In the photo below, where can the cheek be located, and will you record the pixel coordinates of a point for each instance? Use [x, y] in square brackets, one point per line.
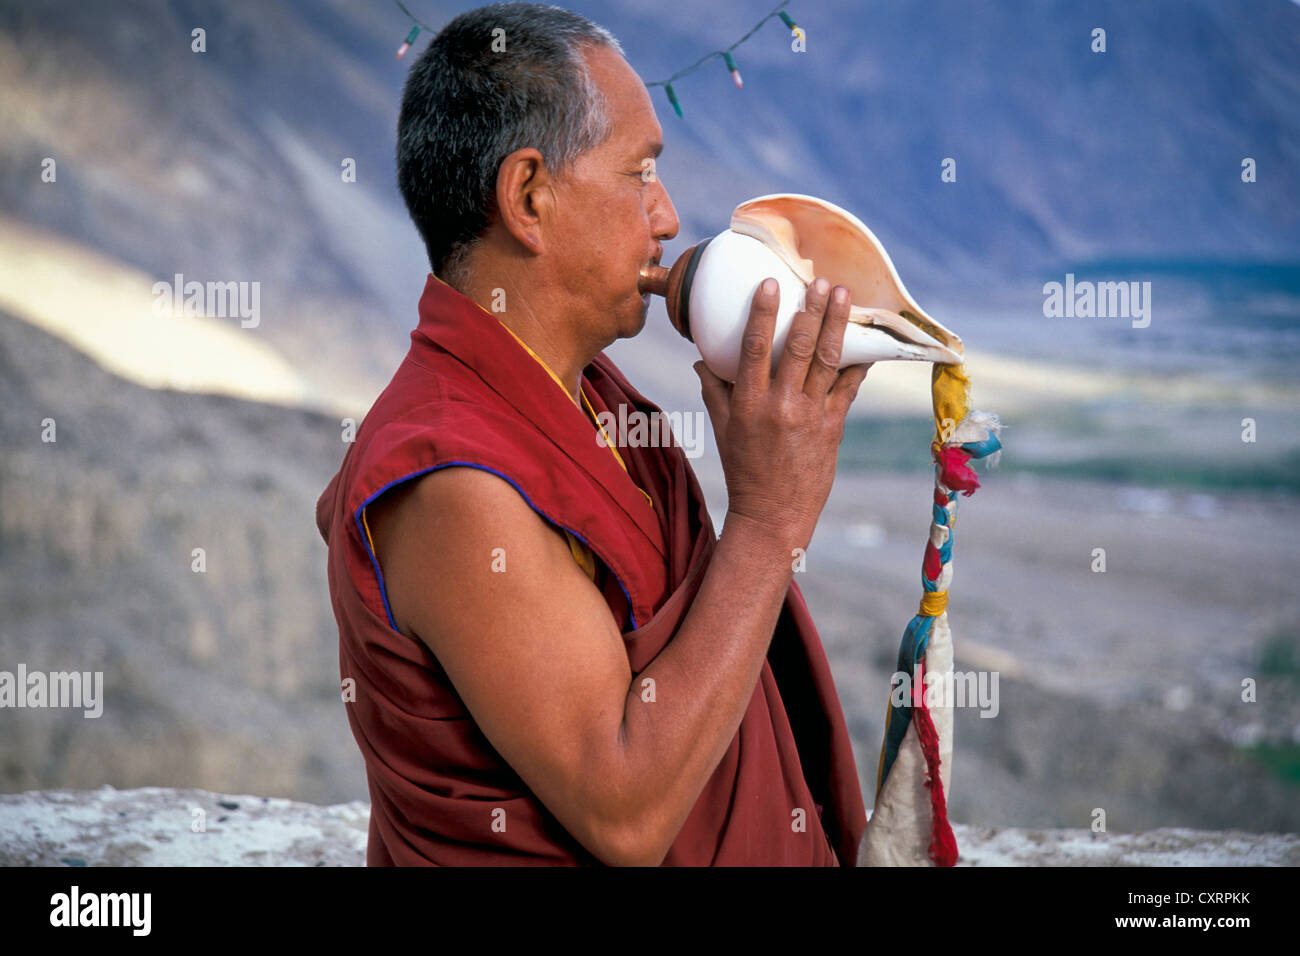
[611, 241]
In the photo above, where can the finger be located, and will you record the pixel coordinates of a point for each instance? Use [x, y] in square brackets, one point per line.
[845, 389]
[755, 370]
[824, 368]
[801, 340]
[717, 398]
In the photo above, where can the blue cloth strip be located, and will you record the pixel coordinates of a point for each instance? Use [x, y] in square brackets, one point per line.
[978, 449]
[915, 640]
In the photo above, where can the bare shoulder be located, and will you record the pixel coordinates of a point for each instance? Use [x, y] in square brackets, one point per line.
[465, 501]
[450, 534]
[452, 490]
[529, 643]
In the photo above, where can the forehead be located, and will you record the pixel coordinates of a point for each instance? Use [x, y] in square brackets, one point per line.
[635, 127]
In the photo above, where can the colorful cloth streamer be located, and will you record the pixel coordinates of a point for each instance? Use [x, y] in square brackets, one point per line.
[913, 767]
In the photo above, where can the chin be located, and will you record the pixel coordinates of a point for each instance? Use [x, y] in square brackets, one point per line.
[643, 309]
[632, 320]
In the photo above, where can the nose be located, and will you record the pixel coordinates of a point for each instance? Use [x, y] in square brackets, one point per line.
[663, 218]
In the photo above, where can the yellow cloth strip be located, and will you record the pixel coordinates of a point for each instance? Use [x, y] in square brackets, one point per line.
[950, 391]
[934, 603]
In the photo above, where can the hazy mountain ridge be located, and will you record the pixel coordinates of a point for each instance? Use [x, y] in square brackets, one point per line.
[229, 674]
[226, 164]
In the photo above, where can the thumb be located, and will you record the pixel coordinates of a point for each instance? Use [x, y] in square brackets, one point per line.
[714, 392]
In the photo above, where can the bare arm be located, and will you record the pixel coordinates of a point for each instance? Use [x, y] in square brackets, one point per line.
[536, 655]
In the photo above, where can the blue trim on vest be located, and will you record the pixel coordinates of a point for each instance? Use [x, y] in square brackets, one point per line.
[383, 591]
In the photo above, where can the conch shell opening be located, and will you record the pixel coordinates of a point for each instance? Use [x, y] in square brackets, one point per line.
[816, 238]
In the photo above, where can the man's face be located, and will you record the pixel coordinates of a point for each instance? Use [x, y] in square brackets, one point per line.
[613, 212]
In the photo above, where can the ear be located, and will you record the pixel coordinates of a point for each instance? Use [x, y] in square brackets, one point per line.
[525, 198]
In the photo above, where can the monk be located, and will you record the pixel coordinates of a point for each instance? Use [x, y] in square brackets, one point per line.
[548, 655]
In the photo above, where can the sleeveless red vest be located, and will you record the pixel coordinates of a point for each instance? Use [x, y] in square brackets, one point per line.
[468, 395]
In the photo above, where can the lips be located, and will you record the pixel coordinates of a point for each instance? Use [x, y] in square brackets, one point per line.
[651, 263]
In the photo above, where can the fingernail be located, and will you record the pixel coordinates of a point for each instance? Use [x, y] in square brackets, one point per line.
[768, 287]
[841, 294]
[821, 286]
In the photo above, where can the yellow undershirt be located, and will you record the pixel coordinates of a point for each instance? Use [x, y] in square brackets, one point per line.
[581, 553]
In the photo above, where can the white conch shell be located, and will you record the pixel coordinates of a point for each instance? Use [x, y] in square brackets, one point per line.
[795, 239]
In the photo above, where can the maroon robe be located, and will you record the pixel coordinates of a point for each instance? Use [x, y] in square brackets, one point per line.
[467, 394]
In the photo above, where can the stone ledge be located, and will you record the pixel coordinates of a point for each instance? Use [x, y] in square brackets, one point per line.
[156, 826]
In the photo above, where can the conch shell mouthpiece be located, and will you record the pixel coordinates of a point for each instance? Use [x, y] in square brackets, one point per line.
[795, 239]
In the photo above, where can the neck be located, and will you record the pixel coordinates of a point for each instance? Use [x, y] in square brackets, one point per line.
[538, 320]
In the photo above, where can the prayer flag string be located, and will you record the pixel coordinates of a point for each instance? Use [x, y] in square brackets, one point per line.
[416, 26]
[728, 60]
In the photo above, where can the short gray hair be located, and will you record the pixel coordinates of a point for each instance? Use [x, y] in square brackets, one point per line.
[466, 107]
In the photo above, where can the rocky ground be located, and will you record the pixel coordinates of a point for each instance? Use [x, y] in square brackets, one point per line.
[155, 826]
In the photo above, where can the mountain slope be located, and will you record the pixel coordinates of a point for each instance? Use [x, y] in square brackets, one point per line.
[226, 675]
